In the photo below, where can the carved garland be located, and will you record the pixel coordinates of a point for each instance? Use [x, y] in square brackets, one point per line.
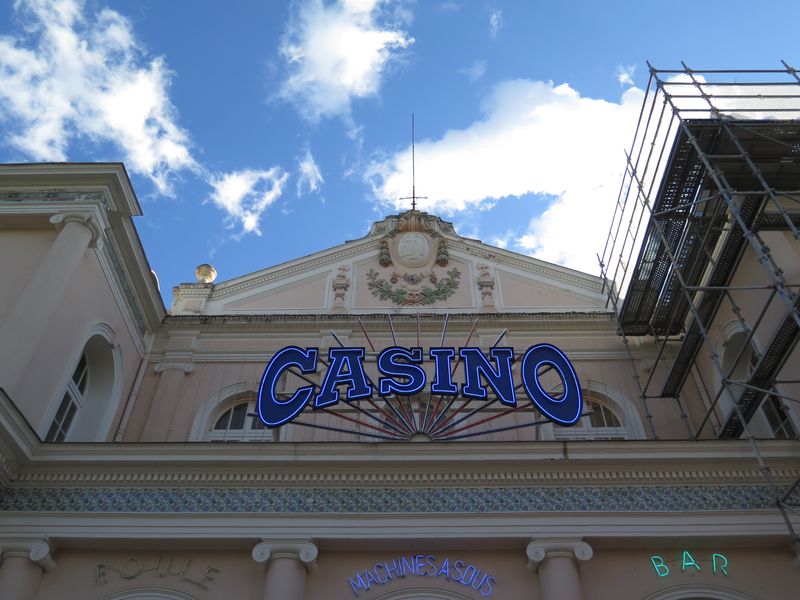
[442, 288]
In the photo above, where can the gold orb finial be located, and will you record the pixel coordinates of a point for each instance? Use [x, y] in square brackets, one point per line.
[205, 273]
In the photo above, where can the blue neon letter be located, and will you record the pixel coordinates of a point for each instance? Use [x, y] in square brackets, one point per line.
[273, 411]
[500, 380]
[345, 368]
[565, 410]
[388, 365]
[443, 382]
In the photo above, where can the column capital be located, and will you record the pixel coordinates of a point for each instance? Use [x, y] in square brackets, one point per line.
[540, 549]
[303, 550]
[86, 219]
[37, 550]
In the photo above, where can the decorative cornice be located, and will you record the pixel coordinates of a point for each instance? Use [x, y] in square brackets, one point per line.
[303, 550]
[334, 255]
[540, 550]
[106, 183]
[604, 317]
[500, 256]
[57, 195]
[240, 477]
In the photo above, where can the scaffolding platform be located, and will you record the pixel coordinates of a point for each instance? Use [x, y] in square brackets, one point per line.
[714, 166]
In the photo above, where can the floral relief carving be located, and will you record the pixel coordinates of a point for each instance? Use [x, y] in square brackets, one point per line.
[409, 289]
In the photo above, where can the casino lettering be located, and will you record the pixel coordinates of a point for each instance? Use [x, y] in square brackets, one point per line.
[402, 374]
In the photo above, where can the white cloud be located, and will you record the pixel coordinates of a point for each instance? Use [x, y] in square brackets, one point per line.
[534, 138]
[501, 241]
[73, 75]
[356, 134]
[337, 53]
[246, 194]
[475, 71]
[495, 22]
[625, 74]
[310, 177]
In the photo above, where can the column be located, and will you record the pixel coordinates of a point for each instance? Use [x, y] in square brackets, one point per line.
[24, 561]
[287, 562]
[26, 322]
[555, 561]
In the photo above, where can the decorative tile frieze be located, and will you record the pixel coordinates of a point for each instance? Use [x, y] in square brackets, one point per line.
[650, 499]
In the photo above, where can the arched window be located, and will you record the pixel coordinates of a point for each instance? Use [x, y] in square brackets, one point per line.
[90, 394]
[603, 422]
[236, 420]
[773, 418]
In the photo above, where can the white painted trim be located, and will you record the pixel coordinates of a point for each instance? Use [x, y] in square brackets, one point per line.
[104, 430]
[621, 405]
[511, 530]
[201, 425]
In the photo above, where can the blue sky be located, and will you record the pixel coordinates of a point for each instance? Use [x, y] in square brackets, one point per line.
[257, 132]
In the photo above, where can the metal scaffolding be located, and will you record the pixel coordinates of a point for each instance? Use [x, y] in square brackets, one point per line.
[712, 178]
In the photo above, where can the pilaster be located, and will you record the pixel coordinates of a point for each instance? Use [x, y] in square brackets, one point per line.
[23, 563]
[555, 561]
[27, 321]
[287, 562]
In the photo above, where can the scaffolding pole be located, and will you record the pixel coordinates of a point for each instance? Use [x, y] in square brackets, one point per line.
[714, 163]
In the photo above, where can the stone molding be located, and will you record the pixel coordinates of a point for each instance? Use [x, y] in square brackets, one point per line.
[37, 550]
[174, 365]
[540, 550]
[303, 550]
[513, 529]
[526, 322]
[239, 477]
[57, 195]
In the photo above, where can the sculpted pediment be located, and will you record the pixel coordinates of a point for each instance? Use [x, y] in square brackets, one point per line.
[412, 262]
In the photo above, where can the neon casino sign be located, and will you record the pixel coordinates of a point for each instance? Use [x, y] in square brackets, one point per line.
[402, 374]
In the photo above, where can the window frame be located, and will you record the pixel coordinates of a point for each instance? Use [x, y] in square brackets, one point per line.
[249, 432]
[71, 403]
[585, 430]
